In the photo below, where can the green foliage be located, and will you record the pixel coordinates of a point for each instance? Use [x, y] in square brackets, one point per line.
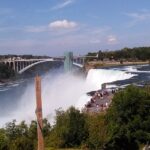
[6, 72]
[129, 118]
[46, 127]
[21, 136]
[90, 56]
[18, 136]
[3, 140]
[69, 130]
[125, 126]
[97, 131]
[130, 54]
[32, 132]
[137, 53]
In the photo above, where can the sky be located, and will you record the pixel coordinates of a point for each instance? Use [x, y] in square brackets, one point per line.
[51, 27]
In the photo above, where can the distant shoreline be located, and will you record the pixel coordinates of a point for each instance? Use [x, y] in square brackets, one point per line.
[102, 64]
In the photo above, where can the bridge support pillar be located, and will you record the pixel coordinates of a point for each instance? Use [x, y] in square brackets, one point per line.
[17, 66]
[83, 61]
[14, 66]
[68, 62]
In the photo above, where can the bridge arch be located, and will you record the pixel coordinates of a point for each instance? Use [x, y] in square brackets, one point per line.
[8, 64]
[42, 61]
[34, 64]
[11, 65]
[21, 65]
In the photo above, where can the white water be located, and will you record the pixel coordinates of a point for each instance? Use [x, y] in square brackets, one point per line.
[133, 69]
[63, 90]
[96, 77]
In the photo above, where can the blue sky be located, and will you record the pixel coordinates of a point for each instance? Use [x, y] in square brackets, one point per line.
[50, 27]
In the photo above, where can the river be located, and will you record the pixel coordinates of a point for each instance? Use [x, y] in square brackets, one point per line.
[61, 90]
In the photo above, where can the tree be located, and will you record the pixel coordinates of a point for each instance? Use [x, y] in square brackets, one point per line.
[46, 127]
[18, 136]
[97, 131]
[3, 140]
[128, 119]
[100, 55]
[69, 130]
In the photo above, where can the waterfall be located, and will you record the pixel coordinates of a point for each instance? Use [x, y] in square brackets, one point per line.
[62, 90]
[96, 77]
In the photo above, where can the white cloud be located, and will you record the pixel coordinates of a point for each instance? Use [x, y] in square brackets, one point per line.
[69, 36]
[62, 5]
[111, 39]
[59, 24]
[62, 24]
[138, 17]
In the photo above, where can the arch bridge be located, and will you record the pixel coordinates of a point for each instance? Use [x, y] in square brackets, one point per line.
[20, 65]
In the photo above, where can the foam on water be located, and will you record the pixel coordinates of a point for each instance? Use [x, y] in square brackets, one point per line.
[4, 89]
[62, 90]
[134, 69]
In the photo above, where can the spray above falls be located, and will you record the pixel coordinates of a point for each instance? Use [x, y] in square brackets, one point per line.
[62, 90]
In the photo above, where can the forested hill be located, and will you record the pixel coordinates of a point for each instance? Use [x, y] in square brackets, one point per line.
[131, 54]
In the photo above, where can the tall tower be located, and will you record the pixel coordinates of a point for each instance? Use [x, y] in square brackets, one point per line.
[39, 113]
[68, 62]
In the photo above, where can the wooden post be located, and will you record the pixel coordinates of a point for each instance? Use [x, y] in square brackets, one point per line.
[39, 113]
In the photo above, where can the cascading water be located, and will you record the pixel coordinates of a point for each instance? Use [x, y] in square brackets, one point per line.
[96, 77]
[133, 69]
[62, 90]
